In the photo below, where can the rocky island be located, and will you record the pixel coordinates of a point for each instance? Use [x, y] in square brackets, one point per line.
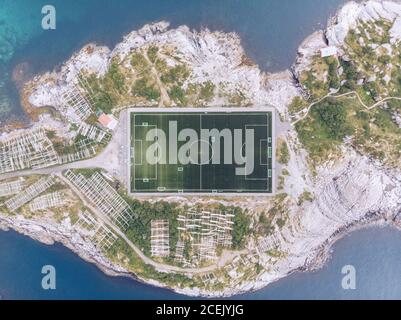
[338, 145]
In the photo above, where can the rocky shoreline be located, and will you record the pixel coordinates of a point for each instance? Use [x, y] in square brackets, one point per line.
[48, 235]
[352, 193]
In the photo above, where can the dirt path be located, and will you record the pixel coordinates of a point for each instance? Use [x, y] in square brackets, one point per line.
[165, 100]
[227, 255]
[332, 95]
[225, 258]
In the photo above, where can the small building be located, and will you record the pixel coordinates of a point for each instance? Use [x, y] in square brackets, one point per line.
[108, 121]
[328, 52]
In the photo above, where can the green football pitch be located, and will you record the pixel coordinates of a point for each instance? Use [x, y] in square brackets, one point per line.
[201, 152]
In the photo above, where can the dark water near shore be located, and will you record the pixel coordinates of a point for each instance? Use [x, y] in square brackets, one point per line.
[271, 31]
[375, 254]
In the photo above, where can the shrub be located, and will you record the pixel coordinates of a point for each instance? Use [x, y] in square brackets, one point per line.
[241, 228]
[178, 95]
[142, 89]
[138, 61]
[283, 153]
[207, 91]
[386, 59]
[349, 70]
[176, 75]
[152, 53]
[115, 78]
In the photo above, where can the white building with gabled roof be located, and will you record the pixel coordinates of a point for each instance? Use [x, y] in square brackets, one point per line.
[328, 52]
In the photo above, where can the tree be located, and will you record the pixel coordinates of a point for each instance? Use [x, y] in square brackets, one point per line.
[332, 116]
[178, 95]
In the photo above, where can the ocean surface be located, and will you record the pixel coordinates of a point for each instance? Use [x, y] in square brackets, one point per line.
[374, 253]
[271, 31]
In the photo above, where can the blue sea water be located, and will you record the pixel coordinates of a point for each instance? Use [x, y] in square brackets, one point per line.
[21, 262]
[375, 254]
[271, 31]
